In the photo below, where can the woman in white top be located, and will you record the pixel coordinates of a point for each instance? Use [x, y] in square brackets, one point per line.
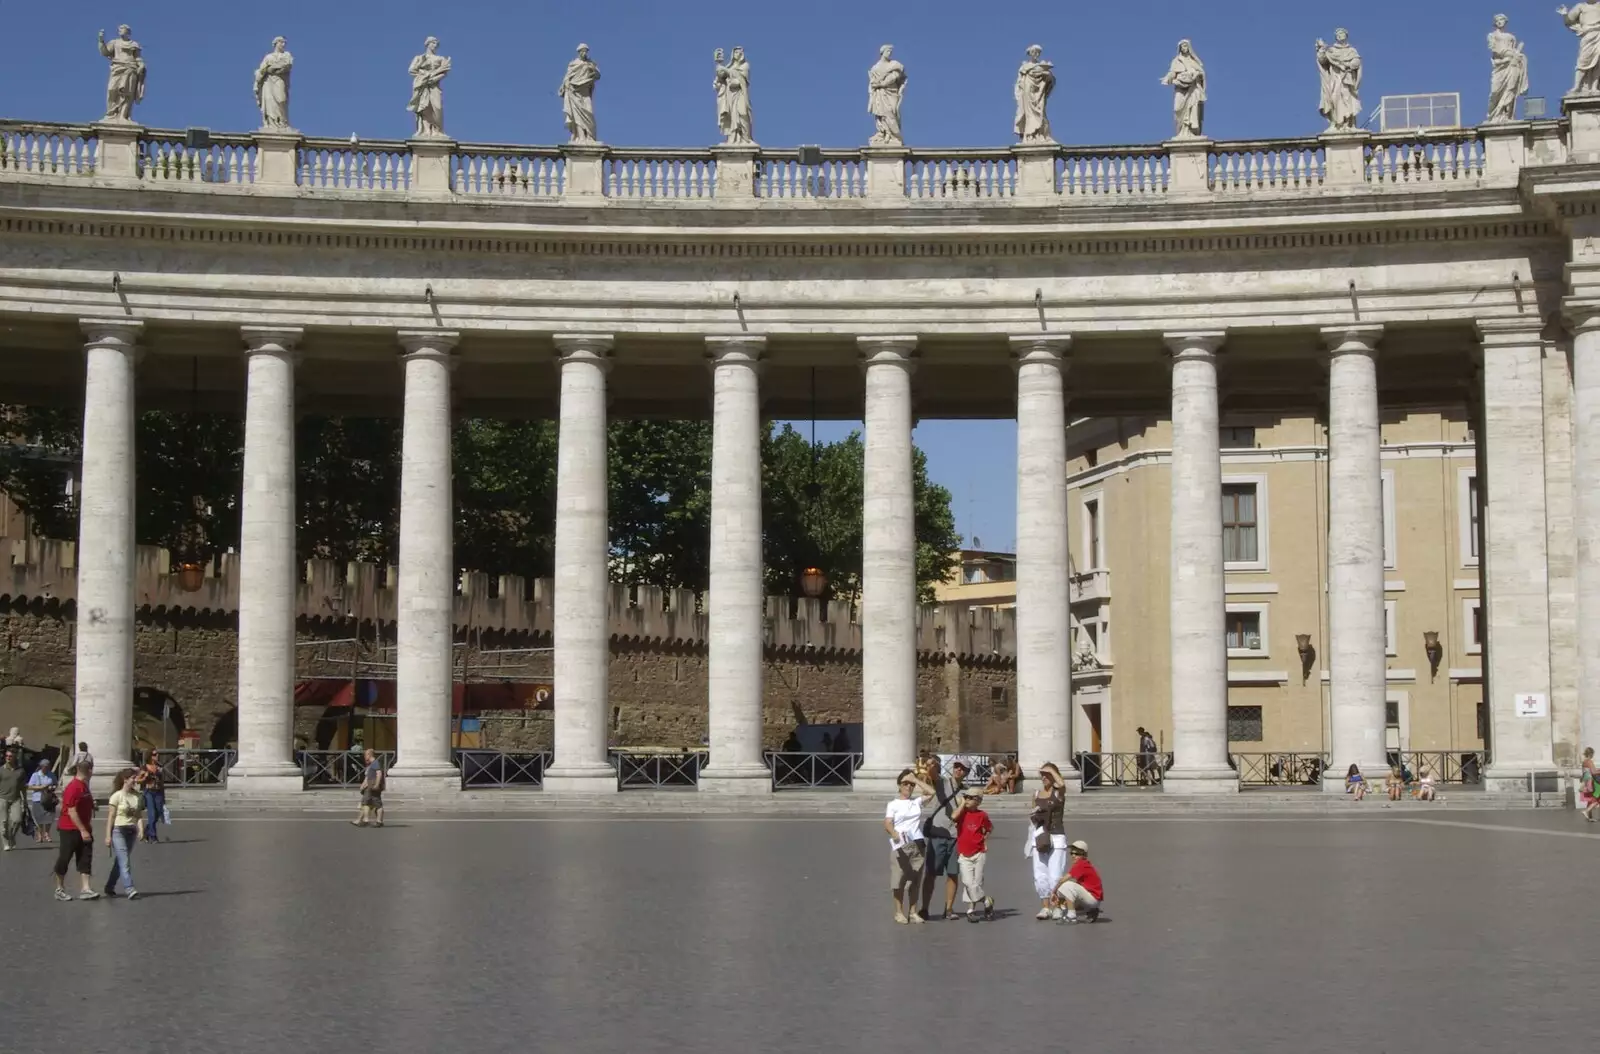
[40, 783]
[124, 823]
[902, 822]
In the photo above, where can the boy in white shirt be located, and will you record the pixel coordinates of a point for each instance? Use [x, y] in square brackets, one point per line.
[902, 822]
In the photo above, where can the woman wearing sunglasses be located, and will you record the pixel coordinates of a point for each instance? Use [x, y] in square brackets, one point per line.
[1047, 839]
[902, 822]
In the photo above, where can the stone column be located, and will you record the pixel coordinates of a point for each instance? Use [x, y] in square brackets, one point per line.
[1586, 495]
[1561, 545]
[1516, 597]
[103, 705]
[267, 566]
[888, 568]
[424, 675]
[736, 609]
[1199, 625]
[582, 623]
[1044, 628]
[1357, 663]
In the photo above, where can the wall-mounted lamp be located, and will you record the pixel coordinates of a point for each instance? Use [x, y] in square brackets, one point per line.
[1434, 650]
[813, 582]
[190, 576]
[1308, 655]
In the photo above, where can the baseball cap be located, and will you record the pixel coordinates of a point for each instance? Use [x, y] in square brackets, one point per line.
[1082, 847]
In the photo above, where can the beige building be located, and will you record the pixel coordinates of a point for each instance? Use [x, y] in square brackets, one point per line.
[1275, 533]
[980, 578]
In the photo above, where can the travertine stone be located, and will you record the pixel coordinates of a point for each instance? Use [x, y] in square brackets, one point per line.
[272, 87]
[736, 170]
[1345, 158]
[1583, 18]
[428, 71]
[103, 715]
[735, 116]
[577, 97]
[888, 567]
[424, 675]
[1187, 171]
[1035, 81]
[117, 156]
[1516, 591]
[1357, 663]
[267, 581]
[1199, 630]
[886, 89]
[1187, 78]
[125, 85]
[1044, 628]
[1586, 519]
[1565, 712]
[582, 636]
[736, 604]
[886, 172]
[1340, 67]
[1508, 73]
[430, 164]
[277, 158]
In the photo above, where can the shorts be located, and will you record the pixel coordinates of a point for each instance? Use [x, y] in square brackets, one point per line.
[372, 799]
[942, 857]
[1075, 896]
[74, 844]
[905, 867]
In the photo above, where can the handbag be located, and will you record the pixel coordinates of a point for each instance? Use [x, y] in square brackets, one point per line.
[47, 799]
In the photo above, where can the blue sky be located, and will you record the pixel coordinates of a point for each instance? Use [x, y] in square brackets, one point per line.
[809, 62]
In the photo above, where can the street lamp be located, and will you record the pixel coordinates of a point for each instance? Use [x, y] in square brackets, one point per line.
[813, 582]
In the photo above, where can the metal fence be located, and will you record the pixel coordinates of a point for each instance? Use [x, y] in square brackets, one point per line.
[337, 768]
[1278, 769]
[487, 769]
[1129, 771]
[1461, 766]
[195, 768]
[979, 766]
[654, 771]
[799, 770]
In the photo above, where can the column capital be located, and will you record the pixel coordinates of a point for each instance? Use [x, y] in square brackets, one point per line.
[1360, 337]
[1582, 315]
[278, 340]
[888, 350]
[1520, 331]
[426, 343]
[1194, 344]
[584, 347]
[740, 350]
[112, 332]
[1040, 347]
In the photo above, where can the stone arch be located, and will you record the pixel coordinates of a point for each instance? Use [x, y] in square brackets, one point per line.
[225, 732]
[157, 705]
[31, 710]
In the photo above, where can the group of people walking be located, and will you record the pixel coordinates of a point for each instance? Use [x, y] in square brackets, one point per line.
[937, 827]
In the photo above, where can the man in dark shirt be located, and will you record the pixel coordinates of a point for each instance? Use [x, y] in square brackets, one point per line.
[12, 780]
[371, 792]
[940, 830]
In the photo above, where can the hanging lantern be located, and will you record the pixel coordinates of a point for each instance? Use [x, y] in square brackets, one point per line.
[813, 582]
[190, 576]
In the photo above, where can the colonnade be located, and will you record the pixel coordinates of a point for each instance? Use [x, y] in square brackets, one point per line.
[1513, 420]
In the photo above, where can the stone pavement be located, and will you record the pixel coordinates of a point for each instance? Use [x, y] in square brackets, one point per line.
[1422, 934]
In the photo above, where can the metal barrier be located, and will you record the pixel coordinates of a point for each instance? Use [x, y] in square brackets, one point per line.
[802, 771]
[337, 768]
[1461, 766]
[195, 768]
[653, 770]
[1131, 771]
[1279, 769]
[493, 768]
[979, 766]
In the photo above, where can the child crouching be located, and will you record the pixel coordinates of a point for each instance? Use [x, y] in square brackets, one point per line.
[1081, 888]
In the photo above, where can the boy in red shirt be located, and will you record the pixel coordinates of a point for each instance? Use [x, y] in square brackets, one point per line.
[972, 845]
[1081, 888]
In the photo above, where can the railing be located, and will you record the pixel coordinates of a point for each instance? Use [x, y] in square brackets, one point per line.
[1414, 157]
[482, 769]
[1119, 170]
[660, 174]
[1279, 769]
[1461, 765]
[979, 766]
[195, 768]
[1267, 165]
[164, 156]
[48, 149]
[1103, 771]
[961, 174]
[653, 770]
[337, 768]
[355, 165]
[508, 171]
[803, 771]
[840, 174]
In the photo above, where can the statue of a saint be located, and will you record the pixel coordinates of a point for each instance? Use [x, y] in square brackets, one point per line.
[1340, 65]
[1035, 81]
[1187, 76]
[1584, 20]
[428, 71]
[272, 86]
[577, 97]
[886, 87]
[126, 84]
[1509, 73]
[734, 115]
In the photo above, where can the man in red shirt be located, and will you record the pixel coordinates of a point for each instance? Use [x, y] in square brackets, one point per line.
[972, 845]
[77, 833]
[1081, 888]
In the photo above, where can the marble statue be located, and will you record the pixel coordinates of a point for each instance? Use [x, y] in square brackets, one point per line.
[734, 115]
[577, 97]
[886, 87]
[1509, 77]
[126, 84]
[428, 71]
[1187, 76]
[1340, 65]
[272, 86]
[1035, 81]
[1584, 19]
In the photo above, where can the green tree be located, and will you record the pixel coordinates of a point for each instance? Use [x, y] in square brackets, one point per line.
[660, 496]
[505, 487]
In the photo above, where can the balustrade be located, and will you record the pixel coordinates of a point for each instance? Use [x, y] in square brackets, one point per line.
[840, 174]
[165, 156]
[355, 165]
[1290, 164]
[513, 171]
[660, 174]
[1121, 170]
[1420, 157]
[52, 149]
[962, 174]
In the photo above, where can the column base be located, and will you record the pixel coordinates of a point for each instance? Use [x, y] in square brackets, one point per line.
[1511, 779]
[104, 773]
[882, 782]
[425, 778]
[1197, 781]
[580, 779]
[267, 778]
[736, 779]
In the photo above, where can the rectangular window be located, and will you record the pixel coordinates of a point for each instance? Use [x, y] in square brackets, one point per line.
[1091, 517]
[1468, 513]
[1237, 436]
[1239, 541]
[999, 703]
[1390, 634]
[1389, 520]
[1244, 724]
[1244, 631]
[1472, 625]
[1483, 723]
[1391, 724]
[1474, 515]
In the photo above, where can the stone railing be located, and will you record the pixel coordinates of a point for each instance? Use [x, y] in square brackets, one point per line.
[1490, 155]
[42, 574]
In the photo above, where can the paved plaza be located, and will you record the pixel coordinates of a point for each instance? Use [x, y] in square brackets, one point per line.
[1434, 935]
